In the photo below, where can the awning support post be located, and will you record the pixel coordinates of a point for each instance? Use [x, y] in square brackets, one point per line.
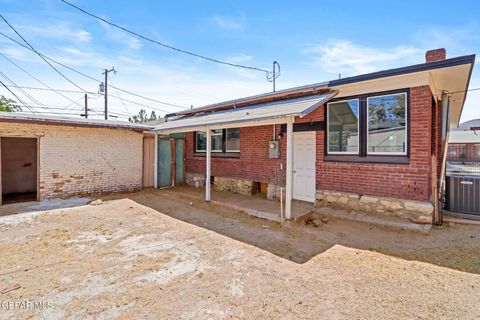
[155, 165]
[289, 171]
[208, 164]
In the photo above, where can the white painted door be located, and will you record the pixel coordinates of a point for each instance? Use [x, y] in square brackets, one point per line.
[304, 154]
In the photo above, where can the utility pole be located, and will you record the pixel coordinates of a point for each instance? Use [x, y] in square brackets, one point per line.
[106, 89]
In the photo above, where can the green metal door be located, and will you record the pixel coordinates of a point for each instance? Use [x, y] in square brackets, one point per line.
[164, 163]
[179, 146]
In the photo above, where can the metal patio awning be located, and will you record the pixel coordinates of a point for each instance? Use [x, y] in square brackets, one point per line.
[255, 115]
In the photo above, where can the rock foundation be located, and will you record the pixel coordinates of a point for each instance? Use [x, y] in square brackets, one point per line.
[244, 187]
[416, 211]
[196, 180]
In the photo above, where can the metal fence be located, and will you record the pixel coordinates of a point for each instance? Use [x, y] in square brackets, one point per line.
[463, 159]
[463, 180]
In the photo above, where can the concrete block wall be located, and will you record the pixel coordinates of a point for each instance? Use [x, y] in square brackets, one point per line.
[82, 161]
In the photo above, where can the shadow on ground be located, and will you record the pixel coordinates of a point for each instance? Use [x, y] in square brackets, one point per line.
[455, 247]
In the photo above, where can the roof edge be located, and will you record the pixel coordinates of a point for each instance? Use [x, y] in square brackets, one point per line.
[283, 94]
[260, 98]
[61, 122]
[468, 59]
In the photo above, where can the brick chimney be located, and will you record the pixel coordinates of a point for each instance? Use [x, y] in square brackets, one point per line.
[435, 55]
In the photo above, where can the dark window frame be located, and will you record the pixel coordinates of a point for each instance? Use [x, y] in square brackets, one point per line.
[220, 154]
[363, 156]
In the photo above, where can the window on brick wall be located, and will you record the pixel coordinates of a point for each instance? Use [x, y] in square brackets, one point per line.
[343, 127]
[223, 141]
[368, 127]
[387, 124]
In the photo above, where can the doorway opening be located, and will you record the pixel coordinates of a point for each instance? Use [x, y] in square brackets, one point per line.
[18, 169]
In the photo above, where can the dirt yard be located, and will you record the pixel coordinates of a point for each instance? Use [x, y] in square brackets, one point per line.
[156, 255]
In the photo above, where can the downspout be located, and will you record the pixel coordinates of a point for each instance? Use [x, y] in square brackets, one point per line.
[446, 116]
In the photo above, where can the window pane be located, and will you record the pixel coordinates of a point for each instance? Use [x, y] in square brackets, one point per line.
[343, 126]
[233, 139]
[387, 124]
[217, 142]
[201, 141]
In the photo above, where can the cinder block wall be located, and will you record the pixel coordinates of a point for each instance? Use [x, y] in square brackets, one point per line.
[404, 181]
[81, 160]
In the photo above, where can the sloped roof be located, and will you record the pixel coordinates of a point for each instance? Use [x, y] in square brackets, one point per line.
[274, 110]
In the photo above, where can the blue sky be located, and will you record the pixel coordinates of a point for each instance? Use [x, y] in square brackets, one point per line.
[313, 42]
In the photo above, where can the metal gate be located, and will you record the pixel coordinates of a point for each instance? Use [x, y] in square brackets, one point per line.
[463, 180]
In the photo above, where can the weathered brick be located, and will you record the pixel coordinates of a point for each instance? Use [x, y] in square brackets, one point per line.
[81, 161]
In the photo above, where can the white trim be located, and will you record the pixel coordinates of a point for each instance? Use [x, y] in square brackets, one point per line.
[155, 167]
[234, 124]
[358, 128]
[199, 151]
[404, 153]
[208, 164]
[289, 171]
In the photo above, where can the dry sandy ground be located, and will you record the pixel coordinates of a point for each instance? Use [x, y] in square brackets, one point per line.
[122, 259]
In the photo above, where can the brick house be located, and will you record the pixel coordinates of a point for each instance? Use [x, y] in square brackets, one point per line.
[58, 157]
[373, 142]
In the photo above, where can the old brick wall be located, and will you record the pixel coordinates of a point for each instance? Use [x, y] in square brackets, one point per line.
[253, 163]
[81, 161]
[410, 181]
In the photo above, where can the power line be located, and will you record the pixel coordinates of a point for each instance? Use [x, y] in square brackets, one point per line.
[21, 90]
[462, 91]
[90, 77]
[38, 80]
[18, 98]
[166, 45]
[52, 108]
[65, 77]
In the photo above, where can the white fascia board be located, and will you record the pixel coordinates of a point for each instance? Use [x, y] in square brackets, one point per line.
[226, 125]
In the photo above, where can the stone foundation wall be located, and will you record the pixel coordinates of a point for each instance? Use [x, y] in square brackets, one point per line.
[417, 211]
[239, 186]
[196, 180]
[273, 192]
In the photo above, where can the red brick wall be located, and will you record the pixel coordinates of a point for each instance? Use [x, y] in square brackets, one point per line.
[410, 181]
[253, 163]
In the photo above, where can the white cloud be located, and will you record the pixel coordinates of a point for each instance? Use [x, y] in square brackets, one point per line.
[342, 56]
[59, 31]
[229, 22]
[452, 39]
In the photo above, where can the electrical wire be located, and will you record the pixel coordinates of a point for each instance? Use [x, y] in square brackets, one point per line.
[53, 89]
[38, 80]
[90, 77]
[18, 98]
[24, 40]
[163, 44]
[30, 97]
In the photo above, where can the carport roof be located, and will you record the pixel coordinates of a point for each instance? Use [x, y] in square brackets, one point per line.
[247, 116]
[70, 121]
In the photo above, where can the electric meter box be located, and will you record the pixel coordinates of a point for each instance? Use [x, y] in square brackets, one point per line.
[273, 150]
